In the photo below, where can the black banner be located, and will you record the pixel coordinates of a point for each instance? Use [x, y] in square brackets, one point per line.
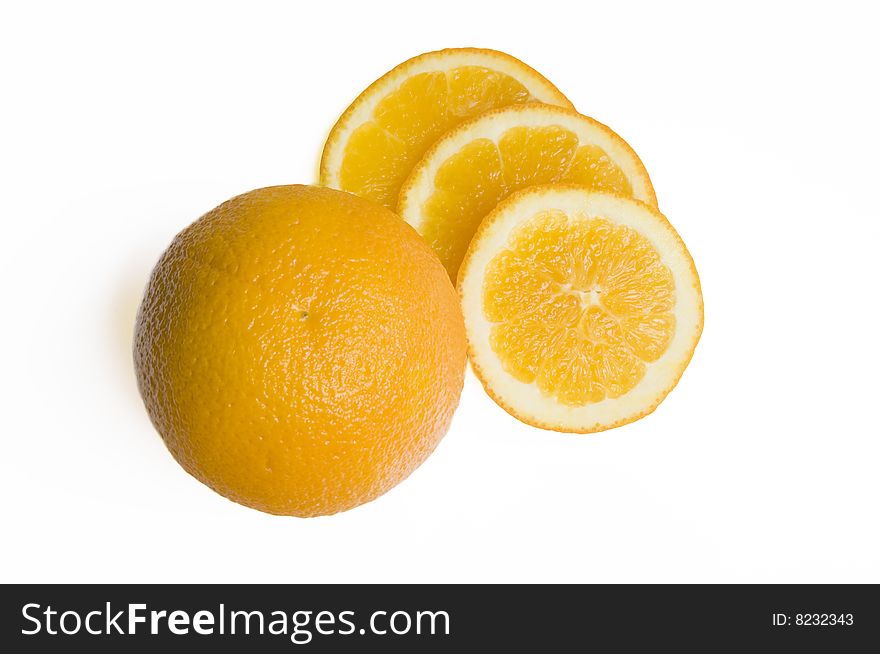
[236, 618]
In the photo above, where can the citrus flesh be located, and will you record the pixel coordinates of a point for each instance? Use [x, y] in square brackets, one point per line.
[582, 308]
[300, 350]
[475, 166]
[388, 128]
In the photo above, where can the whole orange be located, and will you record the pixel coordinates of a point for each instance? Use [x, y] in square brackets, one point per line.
[300, 350]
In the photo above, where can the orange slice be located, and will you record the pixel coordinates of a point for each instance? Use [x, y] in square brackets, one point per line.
[387, 129]
[582, 309]
[473, 167]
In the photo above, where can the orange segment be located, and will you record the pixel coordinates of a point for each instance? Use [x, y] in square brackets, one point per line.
[475, 89]
[459, 198]
[535, 155]
[419, 108]
[593, 168]
[374, 177]
[537, 241]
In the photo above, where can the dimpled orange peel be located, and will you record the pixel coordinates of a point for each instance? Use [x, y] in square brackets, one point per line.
[300, 350]
[582, 308]
[378, 139]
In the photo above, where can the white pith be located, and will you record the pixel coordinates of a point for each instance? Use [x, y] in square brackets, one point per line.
[493, 125]
[442, 61]
[526, 399]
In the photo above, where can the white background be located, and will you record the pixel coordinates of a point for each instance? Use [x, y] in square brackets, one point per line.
[759, 126]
